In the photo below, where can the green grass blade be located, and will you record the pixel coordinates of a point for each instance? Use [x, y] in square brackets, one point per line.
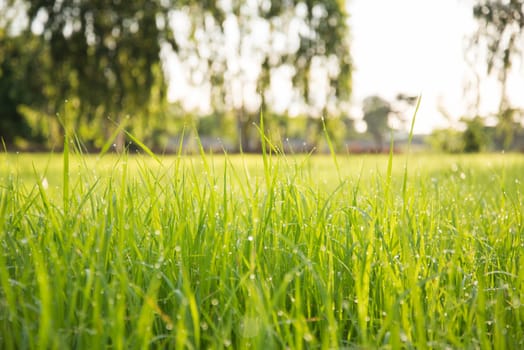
[143, 146]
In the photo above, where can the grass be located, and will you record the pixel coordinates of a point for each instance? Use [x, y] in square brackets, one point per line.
[261, 252]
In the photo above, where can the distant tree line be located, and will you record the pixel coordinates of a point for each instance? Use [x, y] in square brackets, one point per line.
[92, 66]
[95, 67]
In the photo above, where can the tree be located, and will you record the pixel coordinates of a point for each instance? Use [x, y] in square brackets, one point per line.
[474, 137]
[105, 53]
[325, 43]
[376, 112]
[380, 114]
[244, 44]
[500, 34]
[105, 56]
[448, 140]
[22, 78]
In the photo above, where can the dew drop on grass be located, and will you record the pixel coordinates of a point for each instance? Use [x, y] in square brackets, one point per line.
[403, 337]
[214, 302]
[308, 337]
[169, 326]
[250, 238]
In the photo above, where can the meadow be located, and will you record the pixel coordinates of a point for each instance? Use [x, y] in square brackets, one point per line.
[269, 251]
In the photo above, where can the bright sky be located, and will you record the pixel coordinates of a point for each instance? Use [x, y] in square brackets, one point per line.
[417, 47]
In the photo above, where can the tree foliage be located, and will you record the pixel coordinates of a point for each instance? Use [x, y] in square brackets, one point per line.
[474, 137]
[500, 29]
[23, 63]
[103, 59]
[242, 46]
[376, 113]
[500, 34]
[106, 53]
[380, 113]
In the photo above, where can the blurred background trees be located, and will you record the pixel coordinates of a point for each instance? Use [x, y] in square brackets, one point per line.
[91, 66]
[496, 47]
[21, 64]
[500, 39]
[103, 64]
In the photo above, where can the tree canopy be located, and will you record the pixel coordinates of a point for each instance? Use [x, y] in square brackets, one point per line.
[105, 57]
[500, 35]
[242, 46]
[500, 31]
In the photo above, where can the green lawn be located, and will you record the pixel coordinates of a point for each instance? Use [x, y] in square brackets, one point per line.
[419, 251]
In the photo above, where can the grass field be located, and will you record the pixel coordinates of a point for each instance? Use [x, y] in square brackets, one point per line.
[216, 252]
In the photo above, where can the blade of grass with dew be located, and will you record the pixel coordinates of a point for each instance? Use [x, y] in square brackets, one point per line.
[265, 159]
[331, 148]
[410, 138]
[110, 141]
[389, 169]
[143, 146]
[65, 171]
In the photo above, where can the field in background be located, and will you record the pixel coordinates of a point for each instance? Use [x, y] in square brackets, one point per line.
[419, 251]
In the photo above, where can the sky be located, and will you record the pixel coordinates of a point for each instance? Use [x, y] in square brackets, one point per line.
[417, 47]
